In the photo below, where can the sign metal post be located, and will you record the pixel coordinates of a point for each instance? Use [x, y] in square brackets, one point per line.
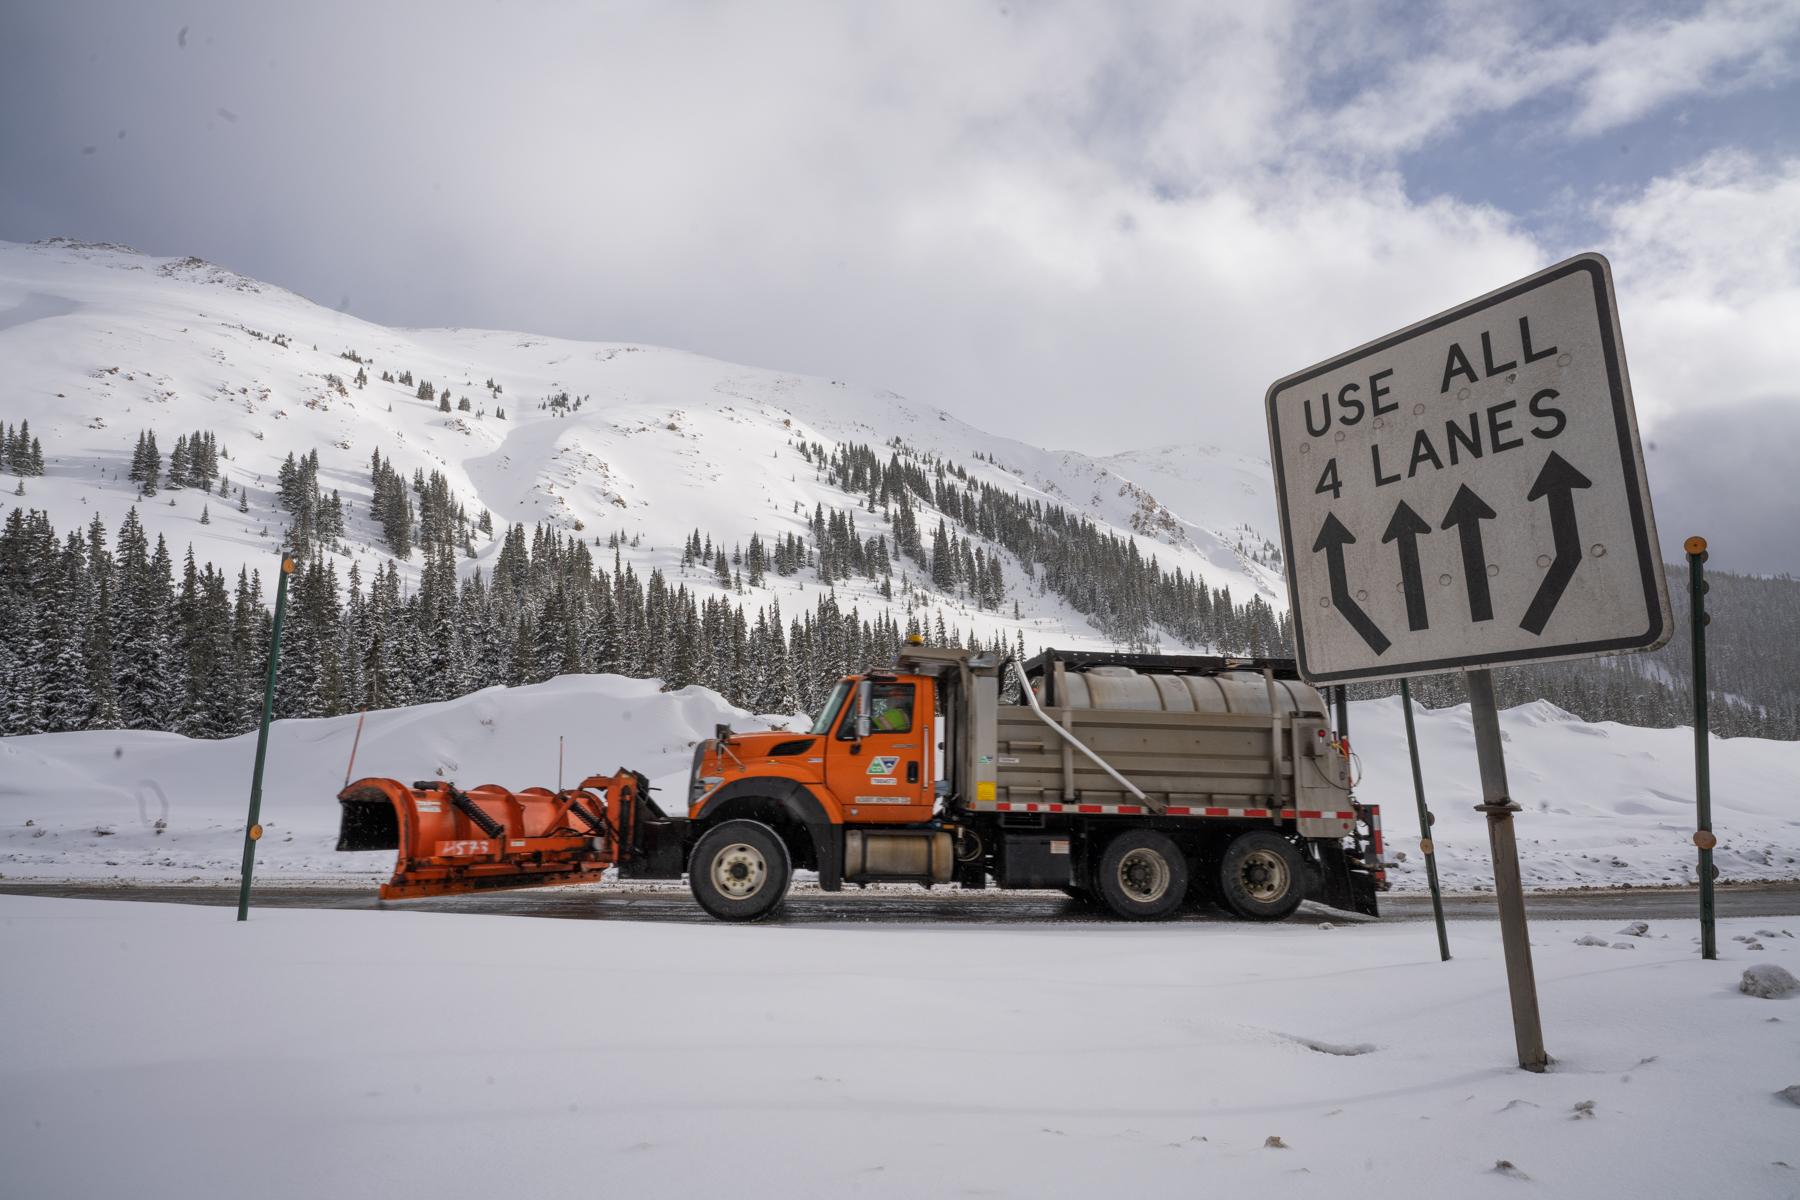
[1427, 843]
[1509, 892]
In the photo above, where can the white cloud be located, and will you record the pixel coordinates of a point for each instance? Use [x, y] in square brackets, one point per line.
[1724, 46]
[1486, 58]
[1708, 269]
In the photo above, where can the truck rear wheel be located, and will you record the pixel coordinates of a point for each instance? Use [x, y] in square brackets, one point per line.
[1142, 876]
[1261, 876]
[739, 871]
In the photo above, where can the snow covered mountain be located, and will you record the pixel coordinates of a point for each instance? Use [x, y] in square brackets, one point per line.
[102, 344]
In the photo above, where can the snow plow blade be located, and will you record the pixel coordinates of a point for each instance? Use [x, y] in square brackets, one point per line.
[487, 838]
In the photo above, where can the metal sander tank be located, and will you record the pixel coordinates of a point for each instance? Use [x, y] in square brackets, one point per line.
[1227, 691]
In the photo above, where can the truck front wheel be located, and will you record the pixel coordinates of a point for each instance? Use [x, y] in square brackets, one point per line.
[1142, 876]
[1261, 876]
[739, 871]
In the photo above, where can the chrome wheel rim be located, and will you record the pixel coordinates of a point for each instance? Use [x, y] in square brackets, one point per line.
[739, 871]
[1144, 876]
[1264, 875]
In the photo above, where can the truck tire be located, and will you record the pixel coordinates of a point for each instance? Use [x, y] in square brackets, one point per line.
[739, 871]
[1141, 876]
[1262, 876]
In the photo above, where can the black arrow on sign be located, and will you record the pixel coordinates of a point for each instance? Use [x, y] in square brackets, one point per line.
[1467, 512]
[1405, 528]
[1556, 482]
[1333, 537]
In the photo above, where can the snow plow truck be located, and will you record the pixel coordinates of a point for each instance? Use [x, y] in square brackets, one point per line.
[1136, 782]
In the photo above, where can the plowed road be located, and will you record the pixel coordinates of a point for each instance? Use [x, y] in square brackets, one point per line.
[902, 904]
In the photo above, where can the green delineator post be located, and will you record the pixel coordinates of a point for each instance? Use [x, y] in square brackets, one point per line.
[1427, 844]
[1703, 834]
[252, 828]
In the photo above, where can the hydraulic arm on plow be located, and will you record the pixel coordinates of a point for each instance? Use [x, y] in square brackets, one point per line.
[452, 841]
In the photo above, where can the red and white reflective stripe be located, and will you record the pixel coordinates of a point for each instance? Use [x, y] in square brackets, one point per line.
[1173, 810]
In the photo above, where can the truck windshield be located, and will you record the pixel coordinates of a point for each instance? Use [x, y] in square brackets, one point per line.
[829, 713]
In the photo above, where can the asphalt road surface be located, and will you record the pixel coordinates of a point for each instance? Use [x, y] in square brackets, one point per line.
[901, 904]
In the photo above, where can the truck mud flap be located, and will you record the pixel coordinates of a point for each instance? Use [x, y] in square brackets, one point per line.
[652, 844]
[1342, 883]
[659, 852]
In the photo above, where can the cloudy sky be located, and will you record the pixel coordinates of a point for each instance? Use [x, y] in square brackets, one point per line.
[1091, 225]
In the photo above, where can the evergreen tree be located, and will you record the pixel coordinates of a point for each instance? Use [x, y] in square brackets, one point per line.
[146, 464]
[178, 463]
[141, 624]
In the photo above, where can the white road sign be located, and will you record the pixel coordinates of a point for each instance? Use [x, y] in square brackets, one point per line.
[1469, 491]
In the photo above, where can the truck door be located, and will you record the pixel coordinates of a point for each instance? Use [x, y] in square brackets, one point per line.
[884, 775]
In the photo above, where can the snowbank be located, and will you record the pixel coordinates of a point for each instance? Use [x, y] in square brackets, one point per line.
[158, 806]
[331, 1053]
[1604, 804]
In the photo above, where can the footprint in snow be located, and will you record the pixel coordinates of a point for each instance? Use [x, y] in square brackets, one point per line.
[1347, 1050]
[1503, 1167]
[1583, 1110]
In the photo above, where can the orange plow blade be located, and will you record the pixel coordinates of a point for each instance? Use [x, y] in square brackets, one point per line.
[452, 841]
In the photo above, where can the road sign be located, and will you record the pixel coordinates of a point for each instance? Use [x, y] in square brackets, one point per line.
[1469, 491]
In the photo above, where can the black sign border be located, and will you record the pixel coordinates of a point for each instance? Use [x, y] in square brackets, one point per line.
[1637, 492]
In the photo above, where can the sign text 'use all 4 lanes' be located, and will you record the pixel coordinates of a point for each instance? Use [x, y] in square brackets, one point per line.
[1470, 491]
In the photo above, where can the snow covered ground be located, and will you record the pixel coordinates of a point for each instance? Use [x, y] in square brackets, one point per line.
[1605, 804]
[165, 1050]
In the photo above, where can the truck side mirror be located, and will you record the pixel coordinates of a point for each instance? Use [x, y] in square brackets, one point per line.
[863, 725]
